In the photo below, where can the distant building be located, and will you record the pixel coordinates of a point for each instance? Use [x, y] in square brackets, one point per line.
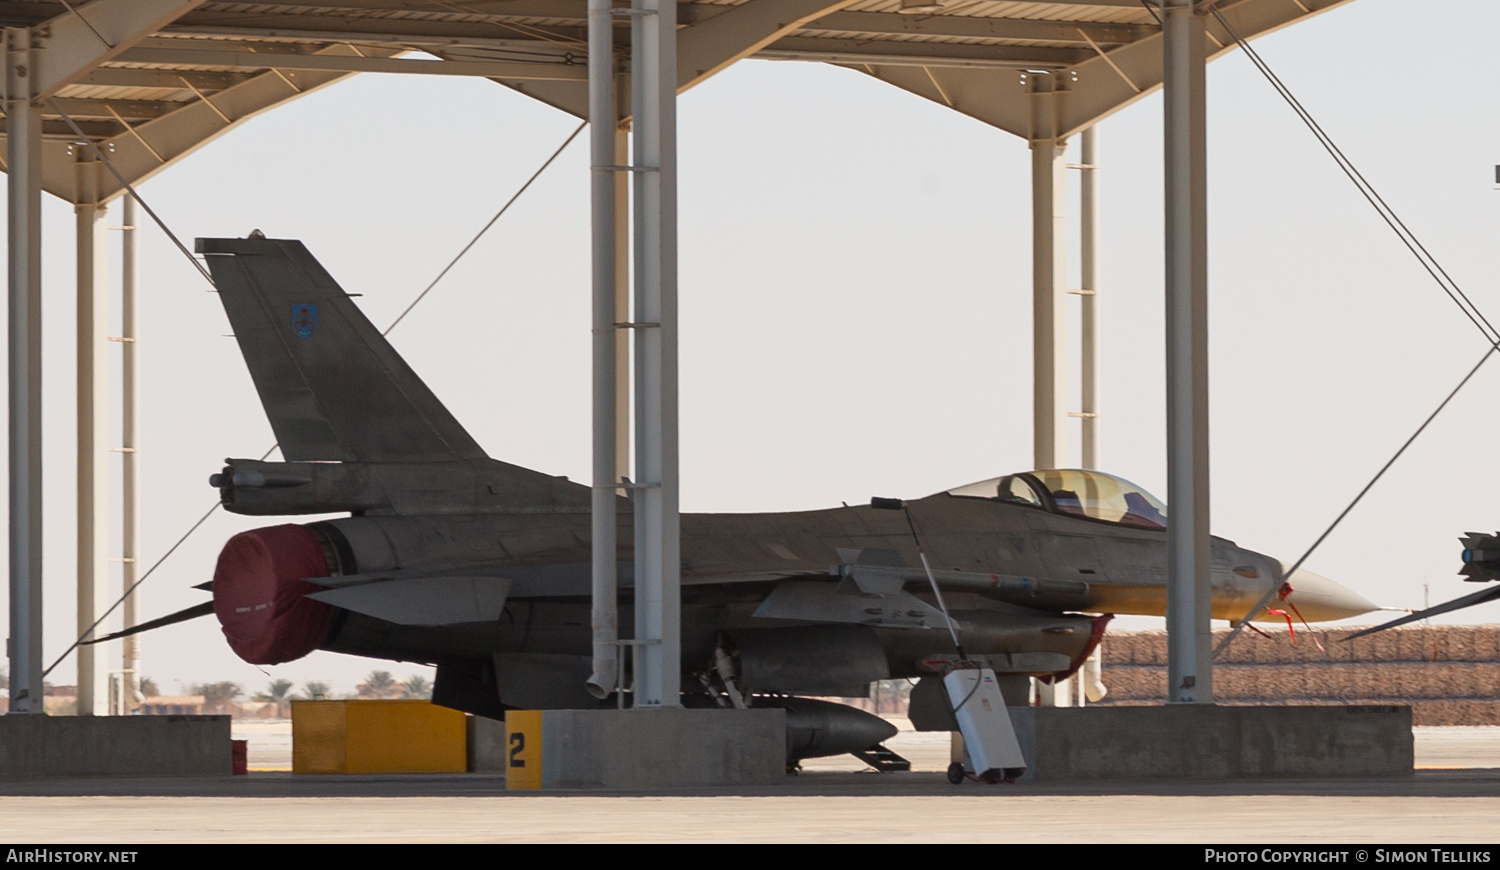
[172, 705]
[59, 700]
[254, 709]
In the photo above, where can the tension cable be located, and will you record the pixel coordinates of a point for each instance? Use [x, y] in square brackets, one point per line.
[1418, 250]
[1367, 190]
[479, 235]
[99, 155]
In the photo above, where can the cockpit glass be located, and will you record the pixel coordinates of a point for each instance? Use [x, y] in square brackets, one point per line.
[1017, 491]
[1102, 496]
[1011, 488]
[1076, 492]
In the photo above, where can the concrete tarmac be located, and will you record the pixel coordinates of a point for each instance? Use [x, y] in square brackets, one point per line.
[1429, 807]
[829, 802]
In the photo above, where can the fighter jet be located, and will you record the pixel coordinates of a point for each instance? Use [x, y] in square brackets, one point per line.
[482, 568]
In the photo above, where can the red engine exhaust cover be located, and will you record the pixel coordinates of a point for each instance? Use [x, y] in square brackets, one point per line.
[260, 596]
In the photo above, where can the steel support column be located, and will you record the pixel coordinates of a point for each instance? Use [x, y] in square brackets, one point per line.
[93, 433]
[622, 303]
[1088, 286]
[654, 172]
[129, 441]
[605, 615]
[1189, 647]
[24, 247]
[1049, 275]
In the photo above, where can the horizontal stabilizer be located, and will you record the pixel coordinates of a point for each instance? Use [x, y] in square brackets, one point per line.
[445, 600]
[193, 612]
[1480, 597]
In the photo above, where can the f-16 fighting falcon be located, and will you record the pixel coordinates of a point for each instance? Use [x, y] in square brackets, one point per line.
[482, 568]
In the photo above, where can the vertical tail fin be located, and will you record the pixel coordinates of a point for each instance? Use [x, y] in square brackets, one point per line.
[333, 387]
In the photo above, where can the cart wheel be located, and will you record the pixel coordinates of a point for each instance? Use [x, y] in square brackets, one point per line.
[956, 773]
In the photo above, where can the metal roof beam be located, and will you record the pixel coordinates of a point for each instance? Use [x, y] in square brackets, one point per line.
[355, 63]
[13, 14]
[708, 47]
[402, 32]
[108, 77]
[1104, 83]
[97, 109]
[916, 57]
[1113, 4]
[460, 7]
[78, 41]
[141, 150]
[59, 130]
[456, 33]
[960, 27]
[702, 49]
[570, 97]
[920, 54]
[571, 11]
[249, 44]
[1104, 88]
[997, 97]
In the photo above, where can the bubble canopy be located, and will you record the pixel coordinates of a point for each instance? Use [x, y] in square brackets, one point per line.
[1074, 492]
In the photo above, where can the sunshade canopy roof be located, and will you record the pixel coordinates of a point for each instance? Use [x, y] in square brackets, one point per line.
[154, 79]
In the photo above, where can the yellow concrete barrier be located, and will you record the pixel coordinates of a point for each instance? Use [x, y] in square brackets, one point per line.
[377, 737]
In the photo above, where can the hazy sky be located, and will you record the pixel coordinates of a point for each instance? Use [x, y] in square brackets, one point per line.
[855, 301]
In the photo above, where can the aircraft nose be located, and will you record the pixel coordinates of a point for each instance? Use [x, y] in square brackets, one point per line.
[1321, 600]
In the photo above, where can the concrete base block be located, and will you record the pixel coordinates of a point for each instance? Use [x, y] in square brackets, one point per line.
[487, 748]
[642, 749]
[50, 746]
[1191, 741]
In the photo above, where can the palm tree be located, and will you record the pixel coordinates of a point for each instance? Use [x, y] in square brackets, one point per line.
[418, 687]
[379, 684]
[315, 691]
[217, 696]
[279, 692]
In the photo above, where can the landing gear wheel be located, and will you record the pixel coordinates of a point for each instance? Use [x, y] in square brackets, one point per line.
[956, 773]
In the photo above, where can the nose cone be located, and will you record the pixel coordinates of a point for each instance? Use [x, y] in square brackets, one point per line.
[1322, 600]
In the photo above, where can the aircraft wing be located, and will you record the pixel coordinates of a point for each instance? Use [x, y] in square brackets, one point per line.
[436, 599]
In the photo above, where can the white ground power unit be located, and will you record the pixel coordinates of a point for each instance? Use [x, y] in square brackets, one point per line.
[991, 751]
